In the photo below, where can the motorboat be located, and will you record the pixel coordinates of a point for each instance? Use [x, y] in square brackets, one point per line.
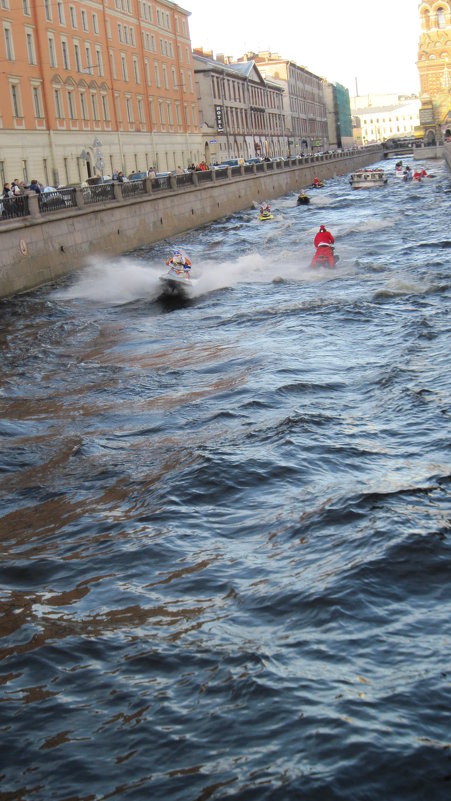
[266, 215]
[303, 199]
[368, 179]
[325, 256]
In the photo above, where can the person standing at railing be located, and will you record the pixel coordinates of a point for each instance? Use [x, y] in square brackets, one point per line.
[34, 186]
[9, 201]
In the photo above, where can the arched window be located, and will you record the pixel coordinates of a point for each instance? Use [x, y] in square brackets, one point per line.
[425, 20]
[440, 18]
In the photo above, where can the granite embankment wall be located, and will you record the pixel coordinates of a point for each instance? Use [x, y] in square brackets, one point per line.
[37, 250]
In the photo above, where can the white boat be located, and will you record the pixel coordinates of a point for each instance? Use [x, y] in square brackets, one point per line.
[368, 179]
[176, 282]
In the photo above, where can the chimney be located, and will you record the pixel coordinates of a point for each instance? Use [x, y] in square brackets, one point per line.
[220, 57]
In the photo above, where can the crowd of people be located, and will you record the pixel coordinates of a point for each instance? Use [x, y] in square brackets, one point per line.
[13, 194]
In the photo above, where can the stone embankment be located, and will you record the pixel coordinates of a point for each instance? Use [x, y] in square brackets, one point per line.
[447, 153]
[41, 247]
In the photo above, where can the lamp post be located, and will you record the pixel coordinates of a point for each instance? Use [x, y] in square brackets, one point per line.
[100, 163]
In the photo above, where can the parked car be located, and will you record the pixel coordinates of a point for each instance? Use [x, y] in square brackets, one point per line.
[253, 161]
[137, 176]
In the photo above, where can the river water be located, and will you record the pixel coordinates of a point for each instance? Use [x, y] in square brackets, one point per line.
[225, 533]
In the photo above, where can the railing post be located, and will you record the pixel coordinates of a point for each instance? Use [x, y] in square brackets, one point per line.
[79, 199]
[195, 179]
[148, 185]
[229, 172]
[33, 205]
[117, 189]
[173, 181]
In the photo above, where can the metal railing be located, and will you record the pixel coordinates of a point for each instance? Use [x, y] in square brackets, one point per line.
[160, 183]
[133, 188]
[75, 197]
[53, 201]
[99, 193]
[12, 207]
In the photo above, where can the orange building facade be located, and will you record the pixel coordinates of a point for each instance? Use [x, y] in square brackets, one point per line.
[89, 86]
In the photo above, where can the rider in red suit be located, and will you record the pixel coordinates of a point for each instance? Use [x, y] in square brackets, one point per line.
[323, 241]
[323, 237]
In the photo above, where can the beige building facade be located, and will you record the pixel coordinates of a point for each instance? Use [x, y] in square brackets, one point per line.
[241, 114]
[379, 123]
[304, 103]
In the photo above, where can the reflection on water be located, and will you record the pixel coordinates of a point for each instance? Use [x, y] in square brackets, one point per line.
[225, 520]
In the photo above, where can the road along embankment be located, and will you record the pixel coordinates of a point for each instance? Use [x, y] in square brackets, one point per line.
[39, 248]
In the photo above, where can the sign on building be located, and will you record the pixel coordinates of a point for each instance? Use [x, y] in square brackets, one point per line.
[219, 118]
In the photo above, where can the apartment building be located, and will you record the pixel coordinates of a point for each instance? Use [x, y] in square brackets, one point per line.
[91, 86]
[304, 104]
[241, 114]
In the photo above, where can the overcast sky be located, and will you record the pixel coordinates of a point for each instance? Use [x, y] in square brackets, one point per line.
[373, 41]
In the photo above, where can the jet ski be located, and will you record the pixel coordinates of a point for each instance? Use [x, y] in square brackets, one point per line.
[178, 282]
[266, 215]
[324, 256]
[303, 199]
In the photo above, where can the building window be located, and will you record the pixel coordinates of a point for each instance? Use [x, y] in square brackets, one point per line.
[108, 29]
[30, 48]
[58, 108]
[88, 59]
[52, 53]
[441, 18]
[169, 113]
[83, 106]
[128, 104]
[36, 92]
[26, 7]
[146, 66]
[165, 77]
[124, 67]
[15, 100]
[61, 17]
[84, 20]
[105, 110]
[157, 76]
[48, 10]
[99, 60]
[8, 42]
[113, 64]
[135, 69]
[73, 17]
[95, 23]
[66, 62]
[71, 105]
[95, 115]
[161, 110]
[140, 110]
[77, 57]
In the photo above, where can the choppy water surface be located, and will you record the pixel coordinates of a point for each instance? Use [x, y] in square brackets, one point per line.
[225, 532]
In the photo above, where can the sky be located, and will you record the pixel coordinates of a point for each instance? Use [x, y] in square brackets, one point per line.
[371, 44]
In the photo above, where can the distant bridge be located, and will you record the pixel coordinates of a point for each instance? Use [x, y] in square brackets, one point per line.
[400, 147]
